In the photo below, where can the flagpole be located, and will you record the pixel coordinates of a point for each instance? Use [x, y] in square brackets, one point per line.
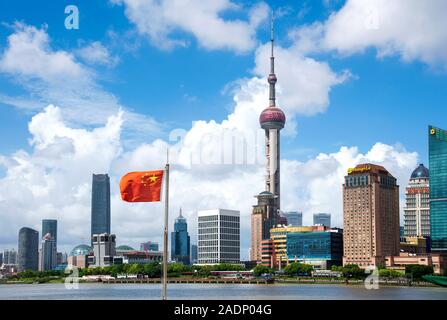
[165, 244]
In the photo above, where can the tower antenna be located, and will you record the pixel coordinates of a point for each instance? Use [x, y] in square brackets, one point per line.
[272, 77]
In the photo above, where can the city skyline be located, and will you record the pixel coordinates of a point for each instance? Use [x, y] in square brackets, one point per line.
[49, 153]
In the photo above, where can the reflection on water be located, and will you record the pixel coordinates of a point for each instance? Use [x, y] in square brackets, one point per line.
[218, 292]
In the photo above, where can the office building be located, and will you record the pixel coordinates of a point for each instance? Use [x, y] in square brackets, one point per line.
[323, 219]
[370, 216]
[218, 236]
[104, 249]
[1, 258]
[322, 249]
[294, 218]
[10, 257]
[149, 246]
[28, 254]
[180, 241]
[417, 204]
[438, 189]
[48, 250]
[194, 256]
[100, 217]
[265, 214]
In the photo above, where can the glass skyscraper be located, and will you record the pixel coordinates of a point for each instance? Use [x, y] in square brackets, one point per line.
[48, 250]
[438, 188]
[49, 227]
[28, 255]
[294, 218]
[100, 204]
[180, 241]
[323, 219]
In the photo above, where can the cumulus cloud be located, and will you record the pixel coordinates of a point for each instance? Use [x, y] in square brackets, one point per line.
[411, 29]
[162, 21]
[55, 76]
[97, 53]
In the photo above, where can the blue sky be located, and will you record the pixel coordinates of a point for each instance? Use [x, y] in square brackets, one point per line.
[392, 90]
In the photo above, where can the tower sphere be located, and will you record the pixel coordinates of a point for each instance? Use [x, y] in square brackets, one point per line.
[272, 118]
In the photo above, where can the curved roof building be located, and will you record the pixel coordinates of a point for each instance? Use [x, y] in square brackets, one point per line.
[81, 250]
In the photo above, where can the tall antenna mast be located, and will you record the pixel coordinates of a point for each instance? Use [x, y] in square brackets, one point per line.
[272, 77]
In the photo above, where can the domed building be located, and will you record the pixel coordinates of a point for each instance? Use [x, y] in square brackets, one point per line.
[79, 256]
[124, 248]
[417, 209]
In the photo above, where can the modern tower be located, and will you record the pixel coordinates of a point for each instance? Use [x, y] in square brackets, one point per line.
[294, 218]
[218, 236]
[438, 188]
[370, 216]
[180, 241]
[417, 208]
[49, 226]
[266, 213]
[100, 204]
[28, 254]
[322, 218]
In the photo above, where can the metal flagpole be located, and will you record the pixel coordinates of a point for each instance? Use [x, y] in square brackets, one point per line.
[165, 243]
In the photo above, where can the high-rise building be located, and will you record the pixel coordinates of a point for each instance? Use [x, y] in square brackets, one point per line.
[100, 204]
[1, 258]
[417, 208]
[266, 213]
[294, 218]
[323, 219]
[180, 241]
[370, 215]
[218, 236]
[438, 188]
[104, 249]
[48, 250]
[149, 246]
[9, 256]
[28, 254]
[194, 254]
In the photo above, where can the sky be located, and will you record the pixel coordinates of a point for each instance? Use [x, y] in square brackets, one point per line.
[358, 80]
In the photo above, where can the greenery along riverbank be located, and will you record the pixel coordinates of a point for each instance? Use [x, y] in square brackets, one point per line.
[175, 270]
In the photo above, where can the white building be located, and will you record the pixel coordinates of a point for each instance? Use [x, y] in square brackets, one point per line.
[417, 209]
[218, 236]
[104, 249]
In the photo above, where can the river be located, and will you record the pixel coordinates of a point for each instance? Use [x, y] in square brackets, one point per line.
[98, 291]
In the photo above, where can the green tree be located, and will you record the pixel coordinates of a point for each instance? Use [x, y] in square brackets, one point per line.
[353, 271]
[261, 269]
[297, 268]
[417, 271]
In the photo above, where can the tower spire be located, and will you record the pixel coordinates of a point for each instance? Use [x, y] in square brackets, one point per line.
[272, 77]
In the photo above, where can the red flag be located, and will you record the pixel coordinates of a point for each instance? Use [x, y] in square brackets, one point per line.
[141, 186]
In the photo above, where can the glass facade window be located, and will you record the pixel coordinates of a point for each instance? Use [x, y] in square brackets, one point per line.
[100, 204]
[315, 246]
[180, 242]
[438, 188]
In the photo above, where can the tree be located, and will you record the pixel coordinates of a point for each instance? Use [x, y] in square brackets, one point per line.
[418, 271]
[353, 271]
[297, 268]
[261, 269]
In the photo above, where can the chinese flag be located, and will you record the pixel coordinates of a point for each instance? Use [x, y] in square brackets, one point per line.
[141, 186]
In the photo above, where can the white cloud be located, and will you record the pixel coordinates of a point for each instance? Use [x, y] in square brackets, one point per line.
[97, 53]
[411, 29]
[56, 76]
[162, 20]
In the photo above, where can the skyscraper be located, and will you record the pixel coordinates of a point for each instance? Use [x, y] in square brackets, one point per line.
[266, 213]
[180, 241]
[322, 218]
[28, 254]
[48, 250]
[104, 249]
[9, 256]
[100, 204]
[218, 236]
[438, 188]
[370, 215]
[294, 218]
[149, 246]
[417, 208]
[193, 254]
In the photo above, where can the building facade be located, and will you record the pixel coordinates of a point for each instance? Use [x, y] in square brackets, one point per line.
[370, 216]
[78, 256]
[149, 246]
[417, 204]
[10, 256]
[180, 241]
[266, 213]
[218, 236]
[320, 249]
[48, 249]
[438, 188]
[294, 218]
[104, 249]
[100, 215]
[323, 219]
[28, 254]
[194, 254]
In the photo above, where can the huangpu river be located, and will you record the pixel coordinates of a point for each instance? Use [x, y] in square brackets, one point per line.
[99, 291]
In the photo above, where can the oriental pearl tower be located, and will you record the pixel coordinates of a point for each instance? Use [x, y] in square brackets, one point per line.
[266, 213]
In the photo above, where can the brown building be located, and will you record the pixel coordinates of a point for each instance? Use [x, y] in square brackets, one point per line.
[437, 261]
[370, 216]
